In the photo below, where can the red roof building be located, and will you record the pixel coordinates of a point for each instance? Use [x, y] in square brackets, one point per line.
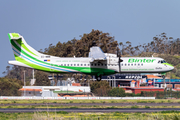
[137, 90]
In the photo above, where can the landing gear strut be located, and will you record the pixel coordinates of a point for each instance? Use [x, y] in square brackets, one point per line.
[98, 78]
[163, 76]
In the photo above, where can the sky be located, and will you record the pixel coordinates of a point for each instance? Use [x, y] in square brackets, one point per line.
[42, 22]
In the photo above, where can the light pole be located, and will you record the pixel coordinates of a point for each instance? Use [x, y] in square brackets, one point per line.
[24, 83]
[109, 80]
[114, 82]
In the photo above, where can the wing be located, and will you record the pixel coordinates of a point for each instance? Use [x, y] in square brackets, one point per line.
[97, 54]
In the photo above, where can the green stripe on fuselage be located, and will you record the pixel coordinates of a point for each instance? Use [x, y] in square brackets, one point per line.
[168, 64]
[34, 65]
[22, 45]
[86, 70]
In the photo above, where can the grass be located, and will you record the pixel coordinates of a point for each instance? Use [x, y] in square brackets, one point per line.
[22, 103]
[135, 106]
[88, 101]
[62, 115]
[147, 107]
[71, 101]
[85, 106]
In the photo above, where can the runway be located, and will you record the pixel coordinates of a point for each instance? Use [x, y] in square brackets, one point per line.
[80, 110]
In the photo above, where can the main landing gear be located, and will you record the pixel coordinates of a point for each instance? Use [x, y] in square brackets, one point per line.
[98, 78]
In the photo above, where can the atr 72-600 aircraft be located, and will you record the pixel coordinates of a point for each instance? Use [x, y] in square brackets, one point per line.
[98, 63]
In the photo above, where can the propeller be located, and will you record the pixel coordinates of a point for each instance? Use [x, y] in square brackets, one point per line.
[119, 58]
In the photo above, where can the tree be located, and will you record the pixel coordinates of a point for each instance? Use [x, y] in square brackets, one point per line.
[17, 72]
[80, 48]
[10, 86]
[178, 73]
[100, 88]
[117, 92]
[42, 79]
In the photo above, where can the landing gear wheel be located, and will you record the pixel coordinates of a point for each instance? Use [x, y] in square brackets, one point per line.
[163, 76]
[98, 78]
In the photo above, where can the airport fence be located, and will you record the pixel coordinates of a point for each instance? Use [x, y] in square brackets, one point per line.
[56, 98]
[162, 95]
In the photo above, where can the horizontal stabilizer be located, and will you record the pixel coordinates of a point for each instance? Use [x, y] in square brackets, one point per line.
[14, 62]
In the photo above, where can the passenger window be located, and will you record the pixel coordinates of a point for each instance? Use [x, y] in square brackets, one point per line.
[131, 64]
[67, 64]
[64, 64]
[94, 64]
[91, 64]
[77, 64]
[128, 64]
[71, 64]
[142, 64]
[98, 64]
[81, 64]
[84, 64]
[102, 64]
[105, 64]
[124, 64]
[74, 64]
[134, 64]
[88, 64]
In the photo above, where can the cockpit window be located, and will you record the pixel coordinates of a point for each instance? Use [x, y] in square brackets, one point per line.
[161, 61]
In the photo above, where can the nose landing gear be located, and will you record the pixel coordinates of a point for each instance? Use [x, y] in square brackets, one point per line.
[98, 78]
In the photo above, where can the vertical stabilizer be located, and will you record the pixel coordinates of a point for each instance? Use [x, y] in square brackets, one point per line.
[20, 46]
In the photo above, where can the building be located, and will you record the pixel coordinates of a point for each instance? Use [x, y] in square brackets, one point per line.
[137, 90]
[118, 80]
[54, 91]
[132, 82]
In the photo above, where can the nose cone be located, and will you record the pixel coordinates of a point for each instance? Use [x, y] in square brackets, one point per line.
[171, 67]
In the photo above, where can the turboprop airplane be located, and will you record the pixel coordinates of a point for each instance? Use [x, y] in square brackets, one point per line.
[98, 63]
